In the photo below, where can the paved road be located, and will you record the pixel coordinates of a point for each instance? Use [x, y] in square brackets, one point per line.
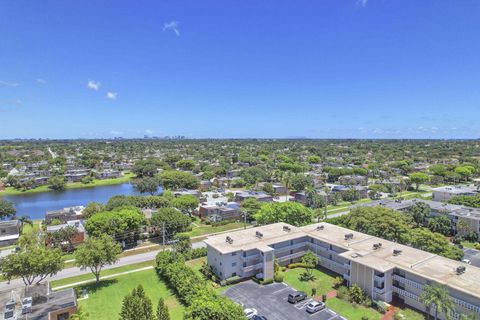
[473, 255]
[75, 271]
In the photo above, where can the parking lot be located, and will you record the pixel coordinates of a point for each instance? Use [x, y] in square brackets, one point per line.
[271, 302]
[473, 255]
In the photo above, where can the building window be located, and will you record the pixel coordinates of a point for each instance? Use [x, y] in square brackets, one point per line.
[63, 316]
[234, 264]
[234, 253]
[234, 274]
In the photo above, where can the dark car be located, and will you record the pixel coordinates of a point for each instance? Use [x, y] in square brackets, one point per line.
[297, 296]
[259, 318]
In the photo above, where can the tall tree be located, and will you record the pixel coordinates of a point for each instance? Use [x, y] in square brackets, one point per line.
[96, 253]
[137, 306]
[436, 297]
[7, 209]
[146, 185]
[32, 264]
[418, 178]
[162, 310]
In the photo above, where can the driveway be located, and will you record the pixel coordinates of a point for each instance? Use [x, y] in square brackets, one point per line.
[271, 302]
[473, 255]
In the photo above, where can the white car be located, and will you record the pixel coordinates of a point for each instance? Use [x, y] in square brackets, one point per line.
[250, 313]
[466, 261]
[315, 306]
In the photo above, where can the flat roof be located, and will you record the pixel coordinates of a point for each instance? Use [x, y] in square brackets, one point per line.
[457, 189]
[453, 209]
[359, 249]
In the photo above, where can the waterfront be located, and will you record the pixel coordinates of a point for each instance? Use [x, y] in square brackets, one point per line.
[36, 205]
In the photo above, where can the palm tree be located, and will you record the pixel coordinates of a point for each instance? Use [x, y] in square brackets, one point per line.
[437, 297]
[287, 177]
[25, 220]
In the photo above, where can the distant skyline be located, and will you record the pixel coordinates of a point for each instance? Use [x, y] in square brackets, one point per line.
[377, 69]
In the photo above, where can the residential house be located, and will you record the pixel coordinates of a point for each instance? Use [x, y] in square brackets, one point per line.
[447, 192]
[260, 196]
[38, 302]
[220, 211]
[9, 232]
[65, 214]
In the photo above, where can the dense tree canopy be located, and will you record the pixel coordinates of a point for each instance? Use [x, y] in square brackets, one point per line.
[289, 212]
[171, 179]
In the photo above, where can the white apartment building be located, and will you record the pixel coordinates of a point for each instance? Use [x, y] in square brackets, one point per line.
[447, 192]
[385, 270]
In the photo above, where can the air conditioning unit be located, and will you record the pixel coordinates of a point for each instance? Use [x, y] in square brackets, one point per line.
[258, 234]
[320, 227]
[348, 236]
[286, 228]
[229, 240]
[396, 252]
[377, 246]
[461, 269]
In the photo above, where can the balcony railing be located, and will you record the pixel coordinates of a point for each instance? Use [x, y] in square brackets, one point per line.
[253, 267]
[290, 247]
[292, 256]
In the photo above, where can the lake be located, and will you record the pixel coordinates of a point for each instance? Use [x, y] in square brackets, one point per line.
[36, 205]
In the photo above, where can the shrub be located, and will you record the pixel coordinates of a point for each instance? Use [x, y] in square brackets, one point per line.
[342, 293]
[381, 306]
[297, 265]
[278, 277]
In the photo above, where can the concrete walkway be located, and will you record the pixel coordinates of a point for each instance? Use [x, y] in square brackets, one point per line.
[102, 278]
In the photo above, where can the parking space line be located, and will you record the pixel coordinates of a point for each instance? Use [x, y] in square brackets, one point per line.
[280, 290]
[302, 304]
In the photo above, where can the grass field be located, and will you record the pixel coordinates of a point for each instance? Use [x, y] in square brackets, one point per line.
[74, 185]
[202, 229]
[90, 276]
[324, 281]
[105, 300]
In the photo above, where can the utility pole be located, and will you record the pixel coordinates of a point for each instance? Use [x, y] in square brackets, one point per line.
[163, 233]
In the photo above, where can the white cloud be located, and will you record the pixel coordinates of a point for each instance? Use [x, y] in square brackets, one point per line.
[148, 131]
[112, 95]
[94, 85]
[173, 26]
[362, 3]
[41, 81]
[116, 133]
[9, 84]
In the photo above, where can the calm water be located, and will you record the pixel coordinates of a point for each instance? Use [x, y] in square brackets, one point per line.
[36, 205]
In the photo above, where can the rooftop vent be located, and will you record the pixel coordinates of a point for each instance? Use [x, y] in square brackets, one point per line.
[258, 234]
[461, 269]
[397, 252]
[229, 240]
[377, 246]
[320, 227]
[286, 228]
[348, 236]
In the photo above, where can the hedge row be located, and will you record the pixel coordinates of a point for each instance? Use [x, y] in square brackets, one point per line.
[202, 302]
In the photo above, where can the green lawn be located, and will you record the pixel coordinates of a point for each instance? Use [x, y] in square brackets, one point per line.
[206, 229]
[90, 276]
[323, 282]
[468, 244]
[74, 185]
[105, 300]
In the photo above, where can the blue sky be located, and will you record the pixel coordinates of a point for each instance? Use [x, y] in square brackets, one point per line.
[246, 68]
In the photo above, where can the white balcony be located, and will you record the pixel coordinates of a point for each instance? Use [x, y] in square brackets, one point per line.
[253, 267]
[292, 256]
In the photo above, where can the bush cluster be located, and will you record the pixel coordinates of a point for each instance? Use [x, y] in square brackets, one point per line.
[202, 301]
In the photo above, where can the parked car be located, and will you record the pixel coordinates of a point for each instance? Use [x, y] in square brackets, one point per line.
[259, 318]
[250, 313]
[466, 261]
[297, 296]
[315, 306]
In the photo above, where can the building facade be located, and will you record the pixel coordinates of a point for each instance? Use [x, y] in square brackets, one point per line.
[384, 269]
